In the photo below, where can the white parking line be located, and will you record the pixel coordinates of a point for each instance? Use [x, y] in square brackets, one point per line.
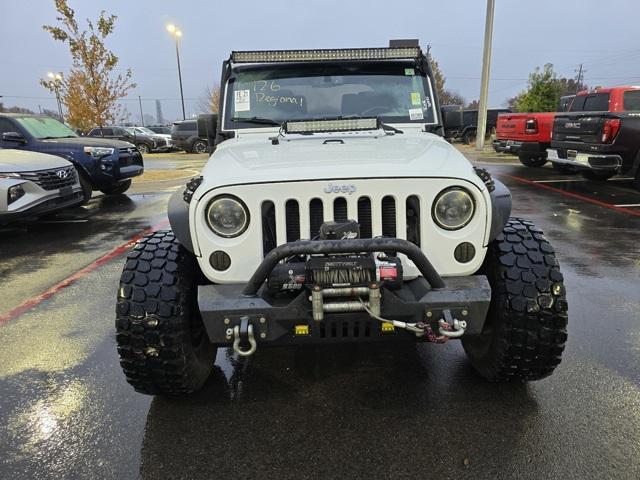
[560, 180]
[623, 205]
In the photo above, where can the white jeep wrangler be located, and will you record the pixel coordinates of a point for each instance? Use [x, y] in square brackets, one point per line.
[332, 210]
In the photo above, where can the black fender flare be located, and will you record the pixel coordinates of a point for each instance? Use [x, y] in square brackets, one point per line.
[500, 208]
[178, 213]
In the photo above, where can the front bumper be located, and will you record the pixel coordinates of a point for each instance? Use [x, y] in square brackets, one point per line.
[587, 161]
[35, 205]
[286, 319]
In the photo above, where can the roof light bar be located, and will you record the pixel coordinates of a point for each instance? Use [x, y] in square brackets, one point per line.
[268, 56]
[337, 125]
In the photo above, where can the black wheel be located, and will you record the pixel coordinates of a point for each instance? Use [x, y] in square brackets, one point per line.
[162, 342]
[469, 137]
[117, 189]
[199, 146]
[143, 148]
[87, 189]
[530, 160]
[525, 331]
[596, 176]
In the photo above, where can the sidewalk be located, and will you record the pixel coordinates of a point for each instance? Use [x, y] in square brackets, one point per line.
[488, 155]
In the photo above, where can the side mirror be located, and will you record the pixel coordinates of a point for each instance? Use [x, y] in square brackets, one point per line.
[13, 137]
[208, 128]
[452, 117]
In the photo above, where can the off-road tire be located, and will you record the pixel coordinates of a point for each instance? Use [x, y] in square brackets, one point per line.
[117, 189]
[525, 331]
[87, 188]
[533, 161]
[143, 148]
[162, 343]
[596, 176]
[199, 146]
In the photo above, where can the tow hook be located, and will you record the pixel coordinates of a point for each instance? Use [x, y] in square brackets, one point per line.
[451, 327]
[243, 333]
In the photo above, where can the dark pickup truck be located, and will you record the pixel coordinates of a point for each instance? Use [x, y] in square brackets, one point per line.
[601, 135]
[103, 164]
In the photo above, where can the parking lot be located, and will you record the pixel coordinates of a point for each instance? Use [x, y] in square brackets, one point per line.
[345, 412]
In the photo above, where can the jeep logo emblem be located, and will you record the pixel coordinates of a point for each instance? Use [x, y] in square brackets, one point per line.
[340, 188]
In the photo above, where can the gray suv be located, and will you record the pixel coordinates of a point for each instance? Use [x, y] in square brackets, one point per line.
[184, 136]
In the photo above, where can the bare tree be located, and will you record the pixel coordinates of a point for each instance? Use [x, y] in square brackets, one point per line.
[209, 100]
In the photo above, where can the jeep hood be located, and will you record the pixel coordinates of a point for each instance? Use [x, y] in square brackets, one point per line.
[12, 161]
[329, 157]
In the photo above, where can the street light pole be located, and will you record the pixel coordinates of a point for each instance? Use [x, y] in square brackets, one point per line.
[484, 82]
[177, 34]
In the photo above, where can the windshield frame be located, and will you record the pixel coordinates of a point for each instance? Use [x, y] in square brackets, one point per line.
[26, 122]
[420, 70]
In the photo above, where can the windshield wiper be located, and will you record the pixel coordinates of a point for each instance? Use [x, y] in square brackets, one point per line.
[388, 127]
[258, 121]
[52, 138]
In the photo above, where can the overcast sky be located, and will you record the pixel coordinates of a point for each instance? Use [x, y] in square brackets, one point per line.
[527, 33]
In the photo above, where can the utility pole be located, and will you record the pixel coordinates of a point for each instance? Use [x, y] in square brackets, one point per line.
[141, 114]
[579, 81]
[484, 82]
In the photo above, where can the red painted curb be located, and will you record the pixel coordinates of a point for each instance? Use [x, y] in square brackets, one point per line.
[71, 279]
[578, 196]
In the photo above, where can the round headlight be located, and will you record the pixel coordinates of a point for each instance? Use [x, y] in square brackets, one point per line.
[227, 216]
[453, 208]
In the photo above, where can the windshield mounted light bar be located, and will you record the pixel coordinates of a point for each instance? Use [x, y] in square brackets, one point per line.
[331, 125]
[269, 56]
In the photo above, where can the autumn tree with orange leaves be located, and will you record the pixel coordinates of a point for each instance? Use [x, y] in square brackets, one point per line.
[91, 90]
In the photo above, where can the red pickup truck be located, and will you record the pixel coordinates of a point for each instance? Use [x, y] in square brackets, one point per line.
[527, 135]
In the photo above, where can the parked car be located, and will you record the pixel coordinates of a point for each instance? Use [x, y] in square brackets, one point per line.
[144, 142]
[527, 135]
[337, 214]
[164, 143]
[467, 133]
[103, 164]
[160, 129]
[600, 135]
[33, 184]
[185, 137]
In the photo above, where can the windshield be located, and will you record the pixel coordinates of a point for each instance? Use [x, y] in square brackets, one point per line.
[396, 92]
[144, 131]
[45, 127]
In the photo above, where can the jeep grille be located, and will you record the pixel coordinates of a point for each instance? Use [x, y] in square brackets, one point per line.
[319, 211]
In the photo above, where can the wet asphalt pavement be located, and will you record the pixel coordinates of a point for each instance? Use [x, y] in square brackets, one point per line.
[340, 412]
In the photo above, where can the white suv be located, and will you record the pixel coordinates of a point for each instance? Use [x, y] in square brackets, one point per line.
[332, 210]
[32, 184]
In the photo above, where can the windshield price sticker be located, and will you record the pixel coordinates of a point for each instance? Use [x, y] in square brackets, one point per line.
[409, 71]
[242, 100]
[416, 114]
[415, 99]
